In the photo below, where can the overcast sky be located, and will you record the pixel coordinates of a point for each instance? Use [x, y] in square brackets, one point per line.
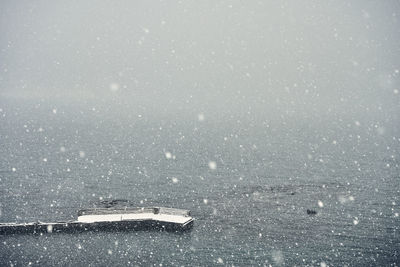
[294, 55]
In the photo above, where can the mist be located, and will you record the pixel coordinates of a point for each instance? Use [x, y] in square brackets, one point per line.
[264, 57]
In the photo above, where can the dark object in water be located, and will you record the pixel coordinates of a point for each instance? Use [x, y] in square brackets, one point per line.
[311, 212]
[110, 219]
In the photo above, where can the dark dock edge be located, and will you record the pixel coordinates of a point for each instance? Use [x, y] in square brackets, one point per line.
[76, 227]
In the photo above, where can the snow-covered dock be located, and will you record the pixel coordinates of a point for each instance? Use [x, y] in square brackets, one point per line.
[110, 219]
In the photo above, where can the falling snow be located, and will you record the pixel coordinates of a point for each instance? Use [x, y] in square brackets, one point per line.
[212, 165]
[168, 155]
[276, 123]
[201, 117]
[114, 87]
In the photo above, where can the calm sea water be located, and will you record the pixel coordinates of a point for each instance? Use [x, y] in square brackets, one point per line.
[251, 210]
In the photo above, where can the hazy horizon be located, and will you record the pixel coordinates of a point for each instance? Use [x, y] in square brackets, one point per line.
[222, 56]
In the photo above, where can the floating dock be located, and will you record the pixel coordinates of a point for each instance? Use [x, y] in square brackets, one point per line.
[110, 219]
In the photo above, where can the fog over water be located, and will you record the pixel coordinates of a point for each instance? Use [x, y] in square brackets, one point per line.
[248, 113]
[274, 55]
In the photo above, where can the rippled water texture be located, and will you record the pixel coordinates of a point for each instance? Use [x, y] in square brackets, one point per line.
[248, 182]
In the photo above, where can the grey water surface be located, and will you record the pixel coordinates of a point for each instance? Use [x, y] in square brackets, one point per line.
[251, 209]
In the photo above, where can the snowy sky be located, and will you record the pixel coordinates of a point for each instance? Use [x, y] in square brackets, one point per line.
[291, 55]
